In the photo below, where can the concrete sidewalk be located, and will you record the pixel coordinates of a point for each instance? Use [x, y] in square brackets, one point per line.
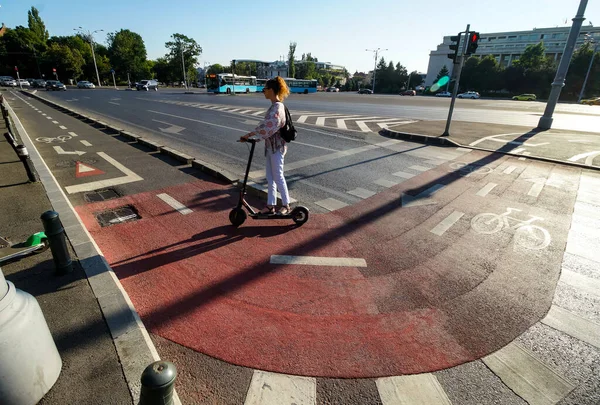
[580, 149]
[91, 372]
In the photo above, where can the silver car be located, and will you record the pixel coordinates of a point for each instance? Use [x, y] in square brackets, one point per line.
[84, 84]
[147, 85]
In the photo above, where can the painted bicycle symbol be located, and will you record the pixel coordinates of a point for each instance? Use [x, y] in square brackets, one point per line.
[529, 236]
[58, 139]
[466, 169]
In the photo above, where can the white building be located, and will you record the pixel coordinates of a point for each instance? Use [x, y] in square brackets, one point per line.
[507, 47]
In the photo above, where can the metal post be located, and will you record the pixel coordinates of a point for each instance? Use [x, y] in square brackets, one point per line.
[19, 80]
[233, 77]
[94, 57]
[114, 81]
[158, 383]
[457, 80]
[26, 160]
[588, 73]
[183, 65]
[58, 244]
[128, 81]
[559, 80]
[375, 66]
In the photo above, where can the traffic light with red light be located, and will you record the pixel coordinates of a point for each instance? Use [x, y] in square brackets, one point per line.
[473, 43]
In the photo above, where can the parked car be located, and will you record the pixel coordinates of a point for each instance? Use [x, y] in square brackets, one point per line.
[333, 89]
[24, 82]
[444, 94]
[365, 91]
[408, 93]
[8, 81]
[147, 85]
[84, 84]
[55, 85]
[591, 101]
[469, 94]
[38, 83]
[525, 97]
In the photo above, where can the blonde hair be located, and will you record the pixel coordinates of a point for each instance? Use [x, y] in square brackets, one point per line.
[279, 87]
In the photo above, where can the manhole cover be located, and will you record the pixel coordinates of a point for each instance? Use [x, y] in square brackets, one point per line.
[73, 163]
[102, 195]
[117, 216]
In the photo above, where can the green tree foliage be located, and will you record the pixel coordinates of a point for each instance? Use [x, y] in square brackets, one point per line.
[178, 45]
[578, 70]
[442, 73]
[415, 80]
[127, 54]
[291, 59]
[67, 62]
[37, 26]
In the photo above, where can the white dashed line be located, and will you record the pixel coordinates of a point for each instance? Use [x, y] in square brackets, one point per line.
[183, 210]
[412, 389]
[486, 189]
[62, 127]
[331, 204]
[72, 134]
[385, 183]
[509, 170]
[319, 261]
[55, 122]
[535, 189]
[362, 193]
[447, 223]
[404, 175]
[86, 143]
[419, 168]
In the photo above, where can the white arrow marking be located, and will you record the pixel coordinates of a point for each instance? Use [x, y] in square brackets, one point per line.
[172, 129]
[424, 198]
[61, 151]
[589, 155]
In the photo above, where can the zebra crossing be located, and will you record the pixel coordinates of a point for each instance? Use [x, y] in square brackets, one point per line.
[358, 123]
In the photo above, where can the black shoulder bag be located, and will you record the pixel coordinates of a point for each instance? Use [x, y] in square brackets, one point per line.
[287, 131]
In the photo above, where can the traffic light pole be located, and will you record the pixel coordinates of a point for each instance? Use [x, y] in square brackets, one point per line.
[457, 80]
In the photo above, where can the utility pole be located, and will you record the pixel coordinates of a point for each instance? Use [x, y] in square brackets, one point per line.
[376, 51]
[90, 37]
[183, 64]
[456, 73]
[589, 69]
[233, 77]
[563, 67]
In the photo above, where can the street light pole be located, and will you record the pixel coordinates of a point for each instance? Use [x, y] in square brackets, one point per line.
[563, 68]
[90, 36]
[183, 65]
[588, 71]
[376, 51]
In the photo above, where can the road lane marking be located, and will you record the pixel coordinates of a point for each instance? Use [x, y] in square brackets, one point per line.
[61, 151]
[361, 193]
[315, 146]
[535, 189]
[518, 150]
[404, 175]
[48, 117]
[447, 223]
[331, 204]
[509, 170]
[319, 261]
[276, 389]
[62, 127]
[386, 183]
[582, 283]
[183, 210]
[590, 156]
[44, 114]
[202, 122]
[419, 168]
[527, 376]
[111, 102]
[573, 325]
[386, 125]
[486, 189]
[72, 134]
[55, 122]
[85, 143]
[129, 177]
[526, 153]
[412, 390]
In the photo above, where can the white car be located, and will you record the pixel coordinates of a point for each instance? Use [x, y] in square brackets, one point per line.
[444, 94]
[24, 82]
[84, 84]
[469, 94]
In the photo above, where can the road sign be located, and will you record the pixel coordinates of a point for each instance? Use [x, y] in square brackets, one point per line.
[84, 170]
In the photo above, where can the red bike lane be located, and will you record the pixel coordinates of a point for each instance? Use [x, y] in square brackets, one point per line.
[426, 289]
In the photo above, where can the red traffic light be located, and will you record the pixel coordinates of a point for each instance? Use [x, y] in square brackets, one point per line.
[53, 69]
[474, 37]
[16, 69]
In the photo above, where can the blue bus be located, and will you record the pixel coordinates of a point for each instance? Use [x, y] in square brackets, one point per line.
[227, 83]
[295, 85]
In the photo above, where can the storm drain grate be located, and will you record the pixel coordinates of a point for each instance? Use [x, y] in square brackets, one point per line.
[117, 216]
[102, 195]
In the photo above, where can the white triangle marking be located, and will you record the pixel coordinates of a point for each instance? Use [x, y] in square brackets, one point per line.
[84, 169]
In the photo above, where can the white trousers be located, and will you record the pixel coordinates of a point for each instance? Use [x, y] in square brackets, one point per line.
[274, 172]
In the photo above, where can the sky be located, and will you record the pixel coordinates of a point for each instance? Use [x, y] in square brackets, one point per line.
[336, 31]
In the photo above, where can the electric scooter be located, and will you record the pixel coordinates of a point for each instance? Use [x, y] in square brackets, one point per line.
[237, 216]
[36, 243]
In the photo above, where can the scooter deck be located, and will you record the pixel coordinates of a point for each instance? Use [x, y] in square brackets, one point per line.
[270, 216]
[14, 252]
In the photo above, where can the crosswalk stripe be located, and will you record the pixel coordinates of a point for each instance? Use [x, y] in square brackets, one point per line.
[573, 325]
[277, 389]
[527, 376]
[412, 390]
[582, 283]
[321, 120]
[331, 204]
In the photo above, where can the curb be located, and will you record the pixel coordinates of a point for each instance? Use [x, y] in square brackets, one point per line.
[217, 172]
[130, 337]
[442, 141]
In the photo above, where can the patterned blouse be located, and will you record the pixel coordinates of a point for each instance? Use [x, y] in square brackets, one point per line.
[269, 129]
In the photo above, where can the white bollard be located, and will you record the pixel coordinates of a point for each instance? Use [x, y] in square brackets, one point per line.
[29, 361]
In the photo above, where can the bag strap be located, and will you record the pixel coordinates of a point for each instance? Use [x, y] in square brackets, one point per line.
[288, 116]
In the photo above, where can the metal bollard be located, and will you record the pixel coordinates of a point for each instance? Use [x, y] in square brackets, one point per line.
[58, 244]
[26, 160]
[158, 383]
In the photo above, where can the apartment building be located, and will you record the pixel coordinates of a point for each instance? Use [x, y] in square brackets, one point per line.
[507, 47]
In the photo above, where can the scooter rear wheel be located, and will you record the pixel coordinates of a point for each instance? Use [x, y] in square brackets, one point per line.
[300, 215]
[237, 216]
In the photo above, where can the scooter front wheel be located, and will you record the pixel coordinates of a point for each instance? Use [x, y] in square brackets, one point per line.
[300, 215]
[237, 216]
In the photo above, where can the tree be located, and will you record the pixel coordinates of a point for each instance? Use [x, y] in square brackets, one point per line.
[182, 45]
[66, 61]
[415, 80]
[127, 54]
[291, 55]
[442, 73]
[578, 69]
[37, 26]
[537, 69]
[17, 48]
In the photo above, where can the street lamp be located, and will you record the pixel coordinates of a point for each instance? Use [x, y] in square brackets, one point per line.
[376, 52]
[590, 40]
[90, 37]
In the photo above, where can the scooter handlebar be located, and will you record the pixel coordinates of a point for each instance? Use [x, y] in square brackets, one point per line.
[250, 140]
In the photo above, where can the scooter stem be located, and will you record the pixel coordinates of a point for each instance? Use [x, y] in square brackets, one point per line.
[253, 142]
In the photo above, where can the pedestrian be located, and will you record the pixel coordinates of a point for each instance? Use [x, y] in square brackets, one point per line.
[275, 90]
